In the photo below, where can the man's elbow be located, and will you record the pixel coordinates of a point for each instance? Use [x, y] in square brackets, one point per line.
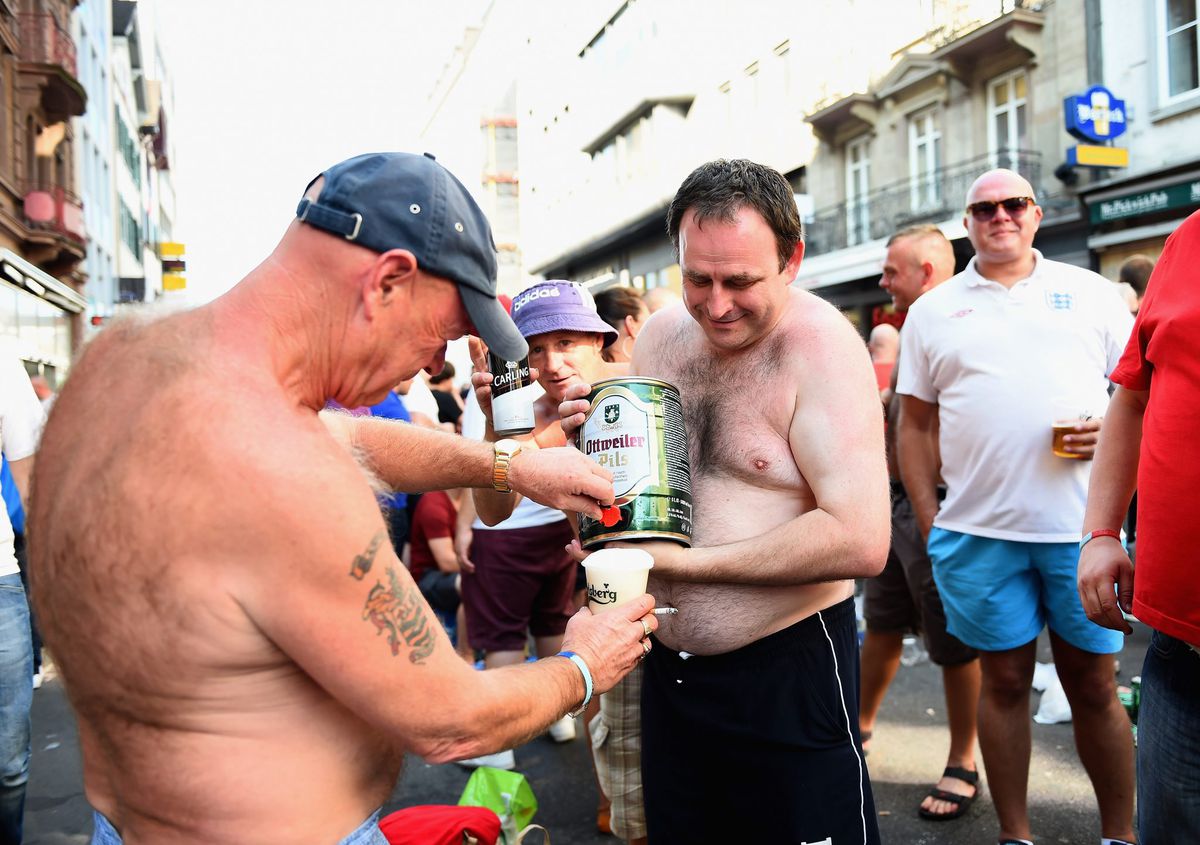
[450, 749]
[485, 510]
[491, 520]
[874, 555]
[869, 548]
[459, 733]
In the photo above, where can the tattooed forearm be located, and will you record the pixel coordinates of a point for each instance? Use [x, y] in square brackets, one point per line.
[399, 610]
[361, 564]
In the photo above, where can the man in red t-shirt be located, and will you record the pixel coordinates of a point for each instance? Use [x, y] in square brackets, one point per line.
[1153, 416]
[432, 562]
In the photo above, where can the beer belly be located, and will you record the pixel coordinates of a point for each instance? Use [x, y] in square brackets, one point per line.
[717, 618]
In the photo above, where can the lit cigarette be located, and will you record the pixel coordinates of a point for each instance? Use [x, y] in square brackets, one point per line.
[665, 611]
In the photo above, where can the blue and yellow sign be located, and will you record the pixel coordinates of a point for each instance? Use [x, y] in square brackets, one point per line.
[1096, 115]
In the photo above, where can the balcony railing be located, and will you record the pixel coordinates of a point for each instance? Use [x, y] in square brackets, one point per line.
[939, 195]
[964, 17]
[45, 41]
[55, 209]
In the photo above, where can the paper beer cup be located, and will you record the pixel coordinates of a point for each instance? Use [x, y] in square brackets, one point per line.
[616, 576]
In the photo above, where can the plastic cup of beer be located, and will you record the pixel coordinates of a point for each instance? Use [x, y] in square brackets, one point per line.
[1066, 415]
[616, 576]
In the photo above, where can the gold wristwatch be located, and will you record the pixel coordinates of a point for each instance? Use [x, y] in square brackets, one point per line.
[505, 451]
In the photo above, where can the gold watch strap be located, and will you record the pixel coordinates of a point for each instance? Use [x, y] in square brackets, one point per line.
[500, 465]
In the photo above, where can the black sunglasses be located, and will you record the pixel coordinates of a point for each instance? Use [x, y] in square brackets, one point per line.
[985, 210]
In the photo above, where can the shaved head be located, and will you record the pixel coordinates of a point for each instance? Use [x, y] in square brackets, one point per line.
[884, 343]
[656, 299]
[1002, 182]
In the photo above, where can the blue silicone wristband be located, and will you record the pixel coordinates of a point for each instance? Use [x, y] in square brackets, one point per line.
[587, 679]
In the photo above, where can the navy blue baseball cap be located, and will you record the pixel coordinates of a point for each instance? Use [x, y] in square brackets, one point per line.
[386, 201]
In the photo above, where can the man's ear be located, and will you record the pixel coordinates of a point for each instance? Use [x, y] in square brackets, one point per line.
[392, 275]
[631, 326]
[926, 275]
[793, 264]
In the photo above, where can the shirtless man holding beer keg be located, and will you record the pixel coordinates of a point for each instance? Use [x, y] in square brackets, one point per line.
[751, 692]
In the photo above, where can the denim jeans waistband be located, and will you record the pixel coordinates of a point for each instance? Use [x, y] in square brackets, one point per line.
[367, 833]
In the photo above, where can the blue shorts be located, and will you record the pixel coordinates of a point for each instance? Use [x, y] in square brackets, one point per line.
[999, 594]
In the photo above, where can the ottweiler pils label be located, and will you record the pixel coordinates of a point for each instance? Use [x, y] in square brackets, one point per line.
[635, 430]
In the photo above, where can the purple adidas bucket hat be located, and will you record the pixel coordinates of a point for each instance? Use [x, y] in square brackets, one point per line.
[558, 307]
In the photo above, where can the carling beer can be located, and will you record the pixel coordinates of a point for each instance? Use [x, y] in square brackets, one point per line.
[512, 396]
[635, 430]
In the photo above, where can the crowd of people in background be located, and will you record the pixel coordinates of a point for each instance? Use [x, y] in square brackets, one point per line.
[987, 523]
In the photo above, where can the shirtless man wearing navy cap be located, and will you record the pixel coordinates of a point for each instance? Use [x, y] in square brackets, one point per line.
[247, 658]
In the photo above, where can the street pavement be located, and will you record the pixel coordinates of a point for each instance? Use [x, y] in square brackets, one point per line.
[907, 754]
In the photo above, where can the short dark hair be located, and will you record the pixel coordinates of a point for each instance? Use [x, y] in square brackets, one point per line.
[618, 302]
[446, 373]
[721, 188]
[1136, 272]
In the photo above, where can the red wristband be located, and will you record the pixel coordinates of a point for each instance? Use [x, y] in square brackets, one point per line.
[1099, 532]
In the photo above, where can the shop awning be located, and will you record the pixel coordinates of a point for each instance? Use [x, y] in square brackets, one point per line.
[40, 283]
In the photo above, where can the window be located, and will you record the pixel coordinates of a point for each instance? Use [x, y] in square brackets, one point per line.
[505, 221]
[727, 101]
[752, 98]
[128, 148]
[924, 159]
[1179, 58]
[783, 53]
[858, 180]
[131, 232]
[30, 153]
[623, 159]
[506, 149]
[604, 164]
[1007, 124]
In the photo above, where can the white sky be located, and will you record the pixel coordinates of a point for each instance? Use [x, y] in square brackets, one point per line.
[268, 93]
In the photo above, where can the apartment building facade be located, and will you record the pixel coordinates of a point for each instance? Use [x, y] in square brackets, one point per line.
[879, 114]
[622, 105]
[142, 102]
[91, 28]
[42, 232]
[983, 88]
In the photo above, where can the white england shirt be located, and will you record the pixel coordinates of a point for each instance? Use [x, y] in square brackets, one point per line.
[997, 362]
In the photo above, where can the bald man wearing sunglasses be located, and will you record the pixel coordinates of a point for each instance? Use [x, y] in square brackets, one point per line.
[988, 358]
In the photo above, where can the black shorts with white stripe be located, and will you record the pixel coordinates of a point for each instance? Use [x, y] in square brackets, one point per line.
[759, 744]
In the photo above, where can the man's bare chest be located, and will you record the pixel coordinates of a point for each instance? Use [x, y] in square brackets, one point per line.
[736, 426]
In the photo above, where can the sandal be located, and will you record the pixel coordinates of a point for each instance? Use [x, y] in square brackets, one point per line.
[961, 803]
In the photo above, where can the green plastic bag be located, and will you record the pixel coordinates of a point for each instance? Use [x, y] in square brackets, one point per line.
[507, 794]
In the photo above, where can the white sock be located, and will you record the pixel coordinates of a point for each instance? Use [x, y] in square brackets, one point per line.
[1114, 842]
